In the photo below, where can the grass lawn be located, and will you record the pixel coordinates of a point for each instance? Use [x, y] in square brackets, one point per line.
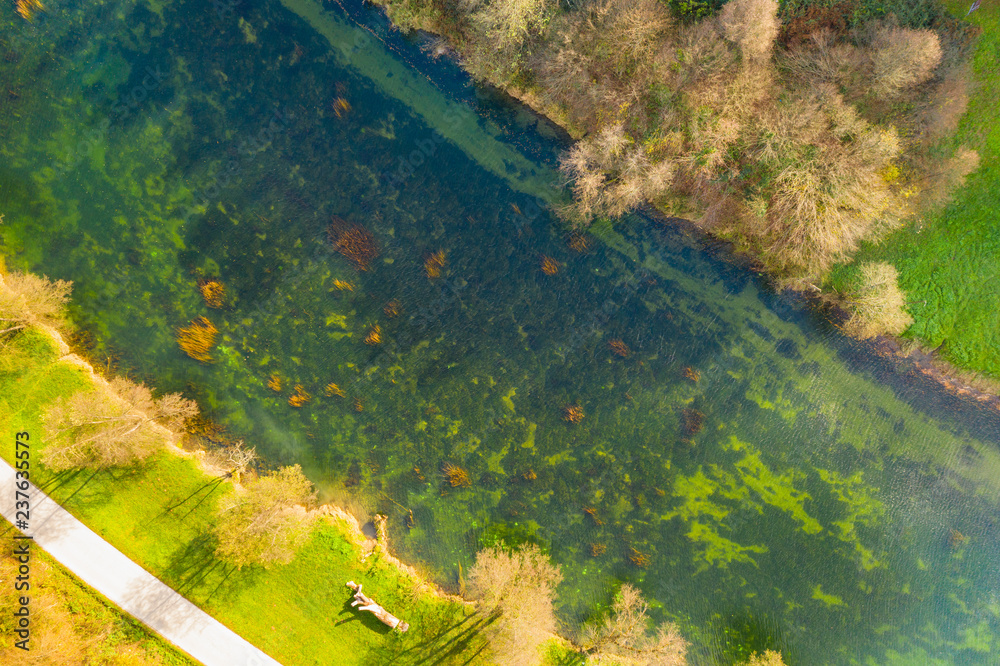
[160, 514]
[949, 262]
[73, 624]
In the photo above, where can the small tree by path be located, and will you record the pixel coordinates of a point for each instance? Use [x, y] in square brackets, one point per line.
[266, 521]
[29, 300]
[517, 589]
[622, 637]
[116, 424]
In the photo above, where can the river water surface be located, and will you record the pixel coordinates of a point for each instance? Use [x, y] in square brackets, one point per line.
[764, 481]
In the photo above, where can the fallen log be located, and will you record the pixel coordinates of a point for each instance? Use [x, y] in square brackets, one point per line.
[365, 603]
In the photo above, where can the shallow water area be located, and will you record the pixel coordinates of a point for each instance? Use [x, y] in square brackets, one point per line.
[403, 317]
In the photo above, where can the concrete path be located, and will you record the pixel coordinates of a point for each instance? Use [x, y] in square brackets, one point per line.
[139, 593]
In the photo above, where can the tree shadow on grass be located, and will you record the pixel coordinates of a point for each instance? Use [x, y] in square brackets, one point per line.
[195, 571]
[461, 642]
[209, 487]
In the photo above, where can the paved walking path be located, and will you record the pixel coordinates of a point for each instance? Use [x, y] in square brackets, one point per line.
[103, 567]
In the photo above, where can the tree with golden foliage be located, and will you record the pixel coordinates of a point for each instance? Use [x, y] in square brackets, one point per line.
[516, 588]
[111, 426]
[29, 300]
[877, 304]
[266, 521]
[621, 638]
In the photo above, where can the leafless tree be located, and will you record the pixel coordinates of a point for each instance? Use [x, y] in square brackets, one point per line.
[517, 589]
[111, 426]
[622, 637]
[27, 300]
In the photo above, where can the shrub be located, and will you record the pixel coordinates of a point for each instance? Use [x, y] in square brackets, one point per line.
[752, 24]
[877, 304]
[111, 426]
[622, 637]
[902, 58]
[266, 521]
[517, 589]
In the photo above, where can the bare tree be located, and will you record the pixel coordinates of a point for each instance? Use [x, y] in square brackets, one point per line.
[28, 300]
[752, 24]
[768, 658]
[622, 638]
[111, 426]
[902, 58]
[516, 588]
[266, 521]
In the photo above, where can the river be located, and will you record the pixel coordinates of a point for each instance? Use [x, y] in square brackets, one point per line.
[632, 399]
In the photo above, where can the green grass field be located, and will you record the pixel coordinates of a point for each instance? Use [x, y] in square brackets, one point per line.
[160, 514]
[949, 262]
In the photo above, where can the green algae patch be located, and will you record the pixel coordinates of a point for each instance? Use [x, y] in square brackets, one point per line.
[830, 600]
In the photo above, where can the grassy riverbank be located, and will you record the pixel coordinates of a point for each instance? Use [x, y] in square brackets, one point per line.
[949, 262]
[160, 513]
[73, 624]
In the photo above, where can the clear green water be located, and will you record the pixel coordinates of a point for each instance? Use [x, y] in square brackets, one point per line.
[146, 146]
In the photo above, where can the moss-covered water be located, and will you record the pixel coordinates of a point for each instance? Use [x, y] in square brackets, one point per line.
[762, 479]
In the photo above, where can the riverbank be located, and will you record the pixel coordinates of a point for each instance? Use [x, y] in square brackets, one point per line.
[949, 261]
[160, 513]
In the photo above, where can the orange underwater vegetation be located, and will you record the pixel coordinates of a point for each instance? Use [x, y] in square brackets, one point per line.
[300, 397]
[28, 8]
[274, 382]
[213, 291]
[550, 266]
[573, 413]
[374, 336]
[619, 348]
[456, 476]
[433, 264]
[333, 390]
[353, 241]
[197, 339]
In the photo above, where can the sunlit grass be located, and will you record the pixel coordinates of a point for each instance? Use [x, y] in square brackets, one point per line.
[160, 514]
[949, 262]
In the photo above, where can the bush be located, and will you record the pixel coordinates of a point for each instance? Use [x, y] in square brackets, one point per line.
[752, 24]
[902, 58]
[767, 658]
[111, 426]
[877, 304]
[267, 521]
[517, 589]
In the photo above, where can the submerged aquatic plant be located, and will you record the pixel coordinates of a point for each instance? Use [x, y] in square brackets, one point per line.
[433, 264]
[619, 348]
[333, 390]
[578, 241]
[274, 382]
[592, 512]
[638, 558]
[353, 241]
[374, 336]
[300, 397]
[197, 339]
[343, 285]
[456, 476]
[549, 265]
[692, 421]
[392, 308]
[28, 8]
[341, 107]
[692, 374]
[597, 549]
[213, 291]
[573, 413]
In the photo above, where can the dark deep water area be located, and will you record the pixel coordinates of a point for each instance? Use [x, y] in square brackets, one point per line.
[765, 481]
